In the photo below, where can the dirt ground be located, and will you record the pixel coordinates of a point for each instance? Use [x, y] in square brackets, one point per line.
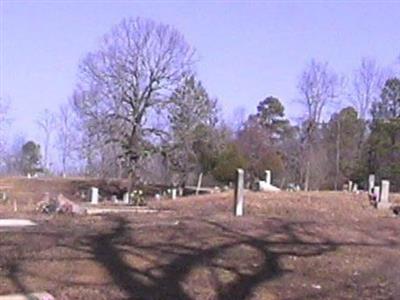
[318, 245]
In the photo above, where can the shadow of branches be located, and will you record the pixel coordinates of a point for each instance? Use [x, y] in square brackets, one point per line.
[165, 257]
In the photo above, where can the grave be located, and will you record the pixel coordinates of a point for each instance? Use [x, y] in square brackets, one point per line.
[16, 223]
[94, 195]
[384, 197]
[371, 183]
[377, 194]
[266, 185]
[33, 296]
[173, 193]
[350, 186]
[239, 193]
[117, 210]
[125, 198]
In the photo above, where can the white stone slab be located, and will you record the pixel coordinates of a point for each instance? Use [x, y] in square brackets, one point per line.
[16, 223]
[265, 187]
[100, 211]
[33, 296]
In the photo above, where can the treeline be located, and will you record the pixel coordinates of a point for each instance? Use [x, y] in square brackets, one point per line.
[140, 112]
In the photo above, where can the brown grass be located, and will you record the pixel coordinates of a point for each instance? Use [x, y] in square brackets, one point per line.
[321, 245]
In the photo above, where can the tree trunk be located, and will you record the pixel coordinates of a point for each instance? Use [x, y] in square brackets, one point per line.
[337, 156]
[307, 179]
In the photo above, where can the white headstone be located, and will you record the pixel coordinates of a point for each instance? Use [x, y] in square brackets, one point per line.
[173, 193]
[385, 191]
[94, 195]
[239, 193]
[268, 177]
[125, 198]
[350, 186]
[371, 183]
[377, 193]
[384, 200]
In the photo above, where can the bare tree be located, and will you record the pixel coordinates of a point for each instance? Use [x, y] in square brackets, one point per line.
[129, 79]
[319, 87]
[46, 123]
[4, 121]
[238, 118]
[368, 80]
[66, 136]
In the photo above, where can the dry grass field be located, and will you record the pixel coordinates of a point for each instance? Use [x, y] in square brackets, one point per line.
[317, 245]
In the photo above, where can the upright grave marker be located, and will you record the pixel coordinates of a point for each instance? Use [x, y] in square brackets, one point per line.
[239, 193]
[94, 195]
[350, 186]
[173, 193]
[371, 183]
[268, 177]
[384, 199]
[377, 193]
[125, 198]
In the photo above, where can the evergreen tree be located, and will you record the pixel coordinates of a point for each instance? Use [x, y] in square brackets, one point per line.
[341, 138]
[384, 141]
[31, 158]
[192, 117]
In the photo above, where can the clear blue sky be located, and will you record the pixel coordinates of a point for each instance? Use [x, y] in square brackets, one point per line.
[248, 50]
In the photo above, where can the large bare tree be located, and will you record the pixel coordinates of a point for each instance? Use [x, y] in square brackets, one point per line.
[368, 81]
[319, 88]
[128, 81]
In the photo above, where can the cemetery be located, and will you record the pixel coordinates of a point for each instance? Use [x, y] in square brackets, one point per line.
[232, 244]
[199, 150]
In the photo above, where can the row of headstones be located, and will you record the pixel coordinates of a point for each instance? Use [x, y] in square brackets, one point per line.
[379, 193]
[94, 195]
[352, 187]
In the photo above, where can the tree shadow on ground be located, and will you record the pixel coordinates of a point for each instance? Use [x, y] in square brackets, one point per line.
[167, 283]
[195, 243]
